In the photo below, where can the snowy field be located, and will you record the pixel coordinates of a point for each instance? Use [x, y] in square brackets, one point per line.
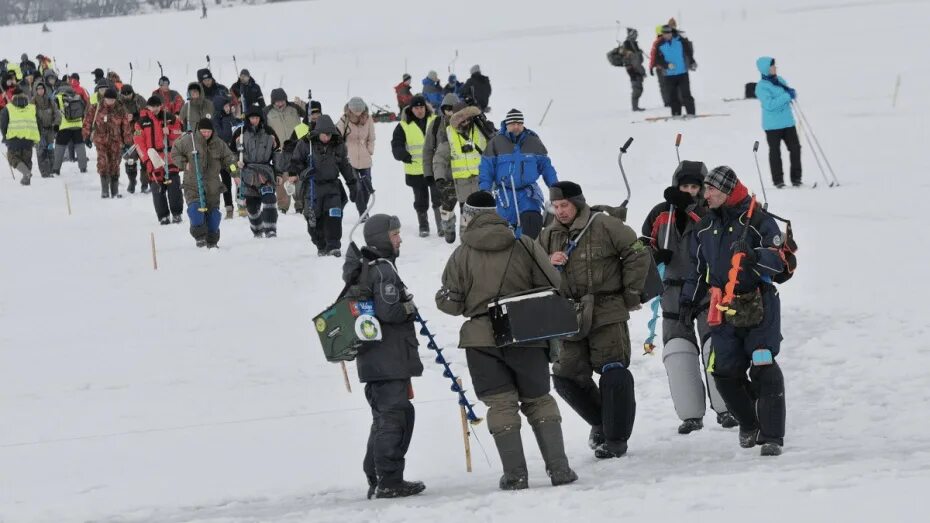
[198, 392]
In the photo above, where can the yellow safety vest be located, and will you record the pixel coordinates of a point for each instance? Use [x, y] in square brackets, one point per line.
[415, 140]
[16, 70]
[66, 123]
[93, 98]
[465, 165]
[23, 123]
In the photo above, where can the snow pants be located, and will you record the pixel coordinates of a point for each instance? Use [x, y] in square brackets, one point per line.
[679, 93]
[759, 401]
[424, 192]
[663, 87]
[636, 84]
[63, 139]
[108, 159]
[392, 420]
[168, 197]
[790, 137]
[364, 182]
[45, 152]
[263, 211]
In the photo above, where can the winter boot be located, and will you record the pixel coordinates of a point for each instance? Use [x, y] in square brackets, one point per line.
[272, 233]
[596, 437]
[770, 449]
[424, 224]
[177, 218]
[726, 420]
[164, 221]
[448, 225]
[229, 212]
[131, 188]
[199, 232]
[510, 447]
[372, 486]
[437, 215]
[400, 490]
[114, 187]
[552, 447]
[610, 449]
[691, 425]
[213, 238]
[747, 438]
[26, 174]
[144, 186]
[104, 187]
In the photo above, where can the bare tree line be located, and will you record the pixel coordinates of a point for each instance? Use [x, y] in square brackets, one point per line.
[39, 11]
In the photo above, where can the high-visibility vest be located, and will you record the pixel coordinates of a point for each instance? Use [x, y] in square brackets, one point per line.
[23, 123]
[415, 140]
[66, 123]
[465, 165]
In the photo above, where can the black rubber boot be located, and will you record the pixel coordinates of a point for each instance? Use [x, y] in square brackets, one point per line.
[552, 447]
[510, 448]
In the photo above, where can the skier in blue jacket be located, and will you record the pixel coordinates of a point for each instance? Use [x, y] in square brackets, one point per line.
[516, 157]
[748, 336]
[778, 121]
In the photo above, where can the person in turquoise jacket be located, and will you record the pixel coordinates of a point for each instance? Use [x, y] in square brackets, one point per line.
[778, 121]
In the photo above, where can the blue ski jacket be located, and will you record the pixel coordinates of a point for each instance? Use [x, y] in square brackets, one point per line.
[525, 159]
[774, 95]
[673, 52]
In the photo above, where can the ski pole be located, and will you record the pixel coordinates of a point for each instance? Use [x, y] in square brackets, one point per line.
[447, 371]
[677, 144]
[810, 130]
[161, 70]
[813, 150]
[649, 345]
[623, 172]
[516, 209]
[208, 62]
[131, 71]
[235, 65]
[755, 153]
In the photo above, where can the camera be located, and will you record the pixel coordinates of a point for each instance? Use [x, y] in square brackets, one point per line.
[468, 146]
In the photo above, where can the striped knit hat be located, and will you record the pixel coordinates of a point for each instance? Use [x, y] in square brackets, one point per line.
[722, 178]
[513, 116]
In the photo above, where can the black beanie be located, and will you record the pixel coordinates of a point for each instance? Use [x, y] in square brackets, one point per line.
[126, 90]
[480, 202]
[154, 101]
[164, 80]
[110, 93]
[570, 191]
[98, 73]
[690, 172]
[205, 123]
[315, 107]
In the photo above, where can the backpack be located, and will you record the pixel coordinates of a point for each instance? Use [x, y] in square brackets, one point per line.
[617, 57]
[787, 247]
[73, 106]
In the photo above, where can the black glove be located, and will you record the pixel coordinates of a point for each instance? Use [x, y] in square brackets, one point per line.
[652, 71]
[89, 143]
[678, 198]
[663, 256]
[686, 313]
[353, 192]
[407, 158]
[366, 182]
[751, 256]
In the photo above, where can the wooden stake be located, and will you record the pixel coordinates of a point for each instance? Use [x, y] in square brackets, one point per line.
[465, 432]
[68, 198]
[154, 255]
[897, 87]
[543, 119]
[345, 376]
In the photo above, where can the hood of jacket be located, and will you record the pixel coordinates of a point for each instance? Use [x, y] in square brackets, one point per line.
[324, 125]
[42, 102]
[195, 86]
[20, 100]
[763, 63]
[488, 232]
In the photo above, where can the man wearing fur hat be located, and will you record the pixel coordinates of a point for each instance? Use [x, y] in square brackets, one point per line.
[196, 108]
[605, 274]
[436, 136]
[201, 151]
[669, 227]
[491, 263]
[456, 164]
[386, 366]
[747, 334]
[513, 161]
[407, 146]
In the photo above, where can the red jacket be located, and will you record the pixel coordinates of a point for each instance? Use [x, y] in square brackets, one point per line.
[78, 90]
[149, 134]
[6, 97]
[652, 53]
[403, 94]
[171, 99]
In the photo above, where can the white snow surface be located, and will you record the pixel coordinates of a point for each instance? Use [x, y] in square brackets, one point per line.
[198, 392]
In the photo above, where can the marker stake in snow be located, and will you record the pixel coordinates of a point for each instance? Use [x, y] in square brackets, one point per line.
[755, 154]
[68, 198]
[345, 376]
[154, 254]
[677, 144]
[465, 431]
[897, 87]
[543, 119]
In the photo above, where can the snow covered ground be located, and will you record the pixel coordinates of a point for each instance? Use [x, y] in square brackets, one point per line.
[198, 392]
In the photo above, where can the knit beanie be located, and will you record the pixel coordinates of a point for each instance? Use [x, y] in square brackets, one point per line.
[475, 69]
[357, 105]
[570, 191]
[154, 101]
[722, 178]
[513, 116]
[164, 80]
[110, 93]
[480, 202]
[126, 90]
[690, 172]
[205, 123]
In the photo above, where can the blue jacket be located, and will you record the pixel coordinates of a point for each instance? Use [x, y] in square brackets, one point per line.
[673, 53]
[775, 98]
[432, 91]
[711, 251]
[526, 159]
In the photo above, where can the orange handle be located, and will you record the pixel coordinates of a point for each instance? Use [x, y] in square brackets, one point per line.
[678, 140]
[732, 277]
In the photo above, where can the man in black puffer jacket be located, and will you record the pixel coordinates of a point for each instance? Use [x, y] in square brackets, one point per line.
[386, 366]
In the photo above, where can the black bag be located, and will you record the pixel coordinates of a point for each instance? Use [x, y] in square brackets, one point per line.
[746, 310]
[617, 57]
[73, 106]
[534, 315]
[750, 90]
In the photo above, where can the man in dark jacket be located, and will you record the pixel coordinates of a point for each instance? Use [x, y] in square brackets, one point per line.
[407, 146]
[634, 66]
[257, 174]
[605, 273]
[747, 333]
[211, 90]
[676, 58]
[669, 227]
[386, 366]
[248, 92]
[491, 263]
[320, 162]
[478, 87]
[133, 103]
[49, 119]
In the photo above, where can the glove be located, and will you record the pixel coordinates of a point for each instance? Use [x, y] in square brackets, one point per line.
[686, 313]
[678, 198]
[89, 143]
[652, 71]
[366, 183]
[693, 66]
[792, 93]
[408, 158]
[441, 184]
[353, 192]
[663, 256]
[743, 247]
